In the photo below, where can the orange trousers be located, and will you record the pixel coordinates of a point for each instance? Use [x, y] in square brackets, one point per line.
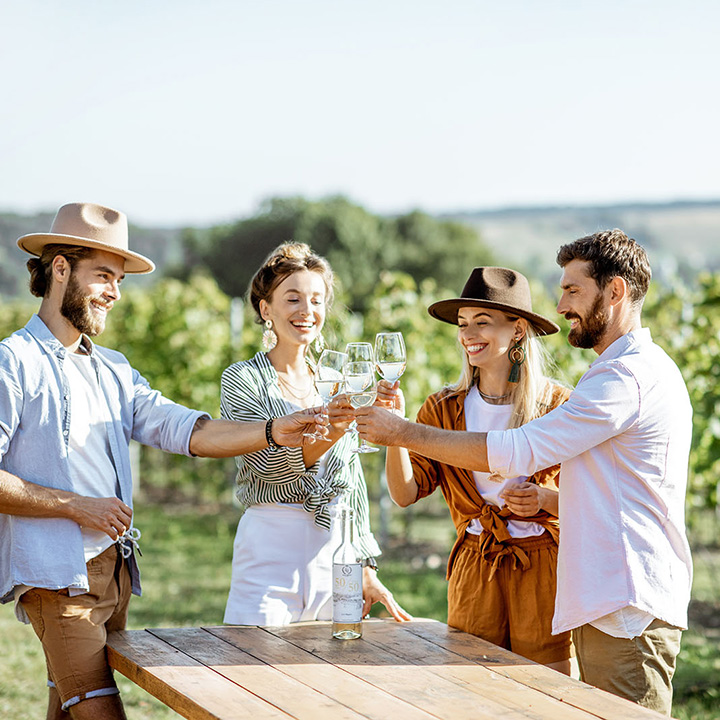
[505, 603]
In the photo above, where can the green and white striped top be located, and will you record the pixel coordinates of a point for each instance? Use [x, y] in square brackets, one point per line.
[249, 391]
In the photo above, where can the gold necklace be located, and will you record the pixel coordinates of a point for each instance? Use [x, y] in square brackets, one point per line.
[492, 398]
[292, 390]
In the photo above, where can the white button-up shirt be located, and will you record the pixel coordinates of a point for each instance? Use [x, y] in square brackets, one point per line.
[623, 440]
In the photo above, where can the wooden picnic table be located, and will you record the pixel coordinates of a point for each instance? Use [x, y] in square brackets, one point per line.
[417, 670]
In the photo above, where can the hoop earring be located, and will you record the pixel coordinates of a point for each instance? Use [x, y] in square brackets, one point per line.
[319, 343]
[517, 357]
[269, 338]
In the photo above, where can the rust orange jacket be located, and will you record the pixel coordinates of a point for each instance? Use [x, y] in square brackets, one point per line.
[446, 409]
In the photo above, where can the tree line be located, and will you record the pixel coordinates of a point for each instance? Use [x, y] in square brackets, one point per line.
[185, 328]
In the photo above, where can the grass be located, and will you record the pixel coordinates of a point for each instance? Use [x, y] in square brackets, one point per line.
[186, 574]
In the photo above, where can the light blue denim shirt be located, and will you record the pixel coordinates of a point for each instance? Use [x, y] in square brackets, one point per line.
[34, 430]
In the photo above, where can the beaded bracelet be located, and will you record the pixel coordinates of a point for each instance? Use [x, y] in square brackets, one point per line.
[268, 435]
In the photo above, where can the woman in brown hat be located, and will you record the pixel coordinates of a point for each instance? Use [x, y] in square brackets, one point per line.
[502, 569]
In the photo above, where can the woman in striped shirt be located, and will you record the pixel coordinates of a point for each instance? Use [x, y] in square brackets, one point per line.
[282, 556]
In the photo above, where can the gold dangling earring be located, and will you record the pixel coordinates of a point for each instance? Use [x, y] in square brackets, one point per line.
[269, 338]
[517, 357]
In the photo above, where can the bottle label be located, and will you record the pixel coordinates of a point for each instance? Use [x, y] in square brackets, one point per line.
[347, 593]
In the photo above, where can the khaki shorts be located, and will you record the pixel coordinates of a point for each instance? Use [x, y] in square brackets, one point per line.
[515, 609]
[638, 669]
[73, 630]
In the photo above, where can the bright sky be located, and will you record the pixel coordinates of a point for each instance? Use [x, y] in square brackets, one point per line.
[193, 111]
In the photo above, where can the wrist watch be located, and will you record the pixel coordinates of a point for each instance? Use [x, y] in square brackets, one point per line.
[370, 562]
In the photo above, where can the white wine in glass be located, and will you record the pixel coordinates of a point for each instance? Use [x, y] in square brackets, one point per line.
[328, 381]
[358, 352]
[390, 356]
[360, 387]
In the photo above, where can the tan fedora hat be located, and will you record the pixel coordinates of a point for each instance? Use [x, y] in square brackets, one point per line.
[89, 225]
[497, 288]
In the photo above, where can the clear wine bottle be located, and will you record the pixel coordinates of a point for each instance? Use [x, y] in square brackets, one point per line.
[347, 583]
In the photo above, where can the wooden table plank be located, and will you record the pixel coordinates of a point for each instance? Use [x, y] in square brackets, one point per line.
[311, 670]
[421, 670]
[258, 677]
[425, 689]
[597, 702]
[397, 638]
[186, 685]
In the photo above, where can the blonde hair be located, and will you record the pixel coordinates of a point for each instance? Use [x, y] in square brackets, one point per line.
[282, 262]
[533, 394]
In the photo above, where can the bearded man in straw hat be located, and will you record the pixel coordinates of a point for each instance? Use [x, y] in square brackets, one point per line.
[68, 410]
[622, 440]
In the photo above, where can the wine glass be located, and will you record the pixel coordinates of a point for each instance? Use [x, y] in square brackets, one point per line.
[328, 381]
[390, 357]
[360, 388]
[358, 352]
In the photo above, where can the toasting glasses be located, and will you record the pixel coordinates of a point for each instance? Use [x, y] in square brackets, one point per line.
[328, 381]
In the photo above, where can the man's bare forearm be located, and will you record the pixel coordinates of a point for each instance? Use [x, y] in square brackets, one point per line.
[20, 497]
[452, 447]
[226, 438]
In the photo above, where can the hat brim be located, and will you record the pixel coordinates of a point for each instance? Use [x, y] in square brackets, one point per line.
[134, 262]
[447, 311]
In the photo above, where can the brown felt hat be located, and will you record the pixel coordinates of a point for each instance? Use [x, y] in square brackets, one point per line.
[496, 288]
[93, 226]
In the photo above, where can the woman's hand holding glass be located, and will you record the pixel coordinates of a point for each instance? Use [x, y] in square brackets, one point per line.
[328, 381]
[390, 396]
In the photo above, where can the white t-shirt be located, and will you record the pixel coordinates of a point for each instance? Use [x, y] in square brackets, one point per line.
[481, 416]
[91, 467]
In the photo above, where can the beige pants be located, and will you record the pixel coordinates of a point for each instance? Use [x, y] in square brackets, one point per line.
[638, 669]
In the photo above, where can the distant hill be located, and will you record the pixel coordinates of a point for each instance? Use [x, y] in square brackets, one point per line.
[680, 237]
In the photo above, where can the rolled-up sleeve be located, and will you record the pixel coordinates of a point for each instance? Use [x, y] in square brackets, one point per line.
[160, 422]
[604, 404]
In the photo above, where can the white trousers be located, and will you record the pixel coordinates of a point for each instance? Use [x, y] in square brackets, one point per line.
[282, 567]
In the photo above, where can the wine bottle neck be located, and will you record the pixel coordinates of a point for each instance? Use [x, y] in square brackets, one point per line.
[347, 526]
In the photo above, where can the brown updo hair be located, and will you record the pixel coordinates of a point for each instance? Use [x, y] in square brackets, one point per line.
[40, 268]
[283, 261]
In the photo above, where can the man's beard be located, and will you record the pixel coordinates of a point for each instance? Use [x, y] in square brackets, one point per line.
[589, 331]
[76, 309]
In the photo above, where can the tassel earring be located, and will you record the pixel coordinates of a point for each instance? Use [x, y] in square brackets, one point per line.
[517, 357]
[269, 338]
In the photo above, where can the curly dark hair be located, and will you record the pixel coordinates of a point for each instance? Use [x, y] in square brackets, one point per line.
[611, 253]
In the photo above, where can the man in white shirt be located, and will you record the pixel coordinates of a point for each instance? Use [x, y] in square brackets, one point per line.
[623, 441]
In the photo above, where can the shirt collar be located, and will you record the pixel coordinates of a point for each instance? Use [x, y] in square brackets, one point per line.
[624, 344]
[40, 331]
